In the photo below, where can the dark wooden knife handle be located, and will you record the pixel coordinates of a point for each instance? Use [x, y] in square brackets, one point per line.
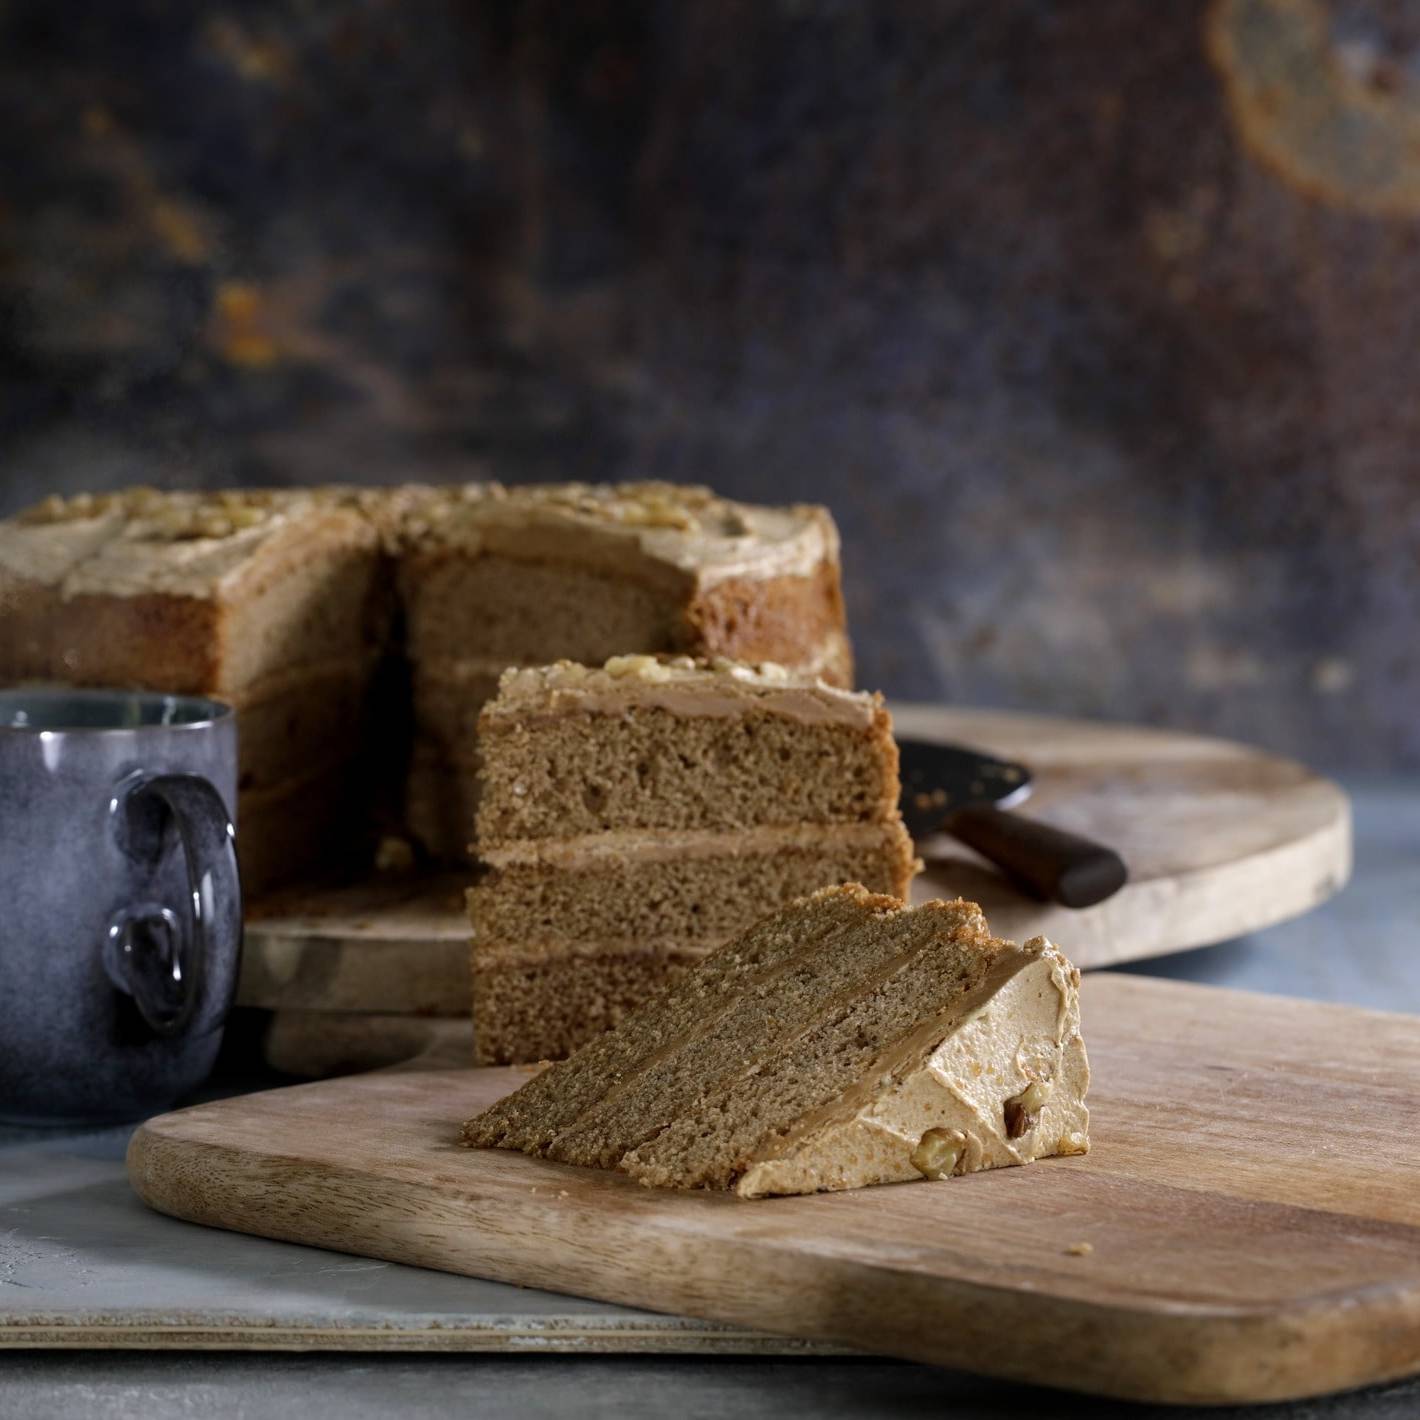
[1048, 862]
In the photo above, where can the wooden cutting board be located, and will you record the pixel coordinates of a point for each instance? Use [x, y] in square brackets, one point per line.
[1246, 1226]
[1220, 839]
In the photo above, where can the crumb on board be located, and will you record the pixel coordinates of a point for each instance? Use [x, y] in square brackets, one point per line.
[1080, 1249]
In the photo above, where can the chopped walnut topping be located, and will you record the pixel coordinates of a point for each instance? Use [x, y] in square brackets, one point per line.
[164, 517]
[656, 513]
[186, 522]
[142, 500]
[745, 670]
[640, 505]
[51, 510]
[641, 667]
[215, 515]
[55, 509]
[938, 1153]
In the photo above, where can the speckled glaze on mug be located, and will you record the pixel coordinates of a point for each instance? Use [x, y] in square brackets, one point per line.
[120, 900]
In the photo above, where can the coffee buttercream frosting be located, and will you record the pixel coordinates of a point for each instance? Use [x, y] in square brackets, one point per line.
[682, 685]
[143, 540]
[1004, 1085]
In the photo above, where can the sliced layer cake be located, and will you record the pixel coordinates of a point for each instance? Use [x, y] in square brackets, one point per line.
[844, 1040]
[492, 578]
[636, 816]
[285, 602]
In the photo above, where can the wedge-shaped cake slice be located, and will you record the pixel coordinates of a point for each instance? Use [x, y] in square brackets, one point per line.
[843, 1041]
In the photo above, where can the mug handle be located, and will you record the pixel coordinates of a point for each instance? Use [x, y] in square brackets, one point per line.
[148, 954]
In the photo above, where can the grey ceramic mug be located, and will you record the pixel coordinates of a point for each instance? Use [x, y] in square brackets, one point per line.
[120, 901]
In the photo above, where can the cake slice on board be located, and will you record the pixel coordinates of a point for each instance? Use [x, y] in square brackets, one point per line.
[846, 1040]
[636, 816]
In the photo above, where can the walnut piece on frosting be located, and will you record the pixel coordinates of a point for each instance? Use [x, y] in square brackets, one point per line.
[1022, 1111]
[161, 517]
[55, 509]
[663, 667]
[215, 515]
[652, 511]
[938, 1153]
[647, 668]
[673, 507]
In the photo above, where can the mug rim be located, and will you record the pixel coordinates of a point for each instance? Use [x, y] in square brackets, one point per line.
[207, 711]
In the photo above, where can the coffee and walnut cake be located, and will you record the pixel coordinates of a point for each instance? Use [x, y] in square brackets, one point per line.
[300, 606]
[493, 578]
[844, 1040]
[637, 815]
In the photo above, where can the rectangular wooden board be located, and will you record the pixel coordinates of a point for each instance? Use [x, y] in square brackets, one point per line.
[1246, 1226]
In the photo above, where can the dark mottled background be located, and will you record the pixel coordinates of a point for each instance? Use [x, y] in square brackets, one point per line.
[1096, 323]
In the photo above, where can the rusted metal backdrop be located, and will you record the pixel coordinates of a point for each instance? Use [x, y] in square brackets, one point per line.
[1095, 320]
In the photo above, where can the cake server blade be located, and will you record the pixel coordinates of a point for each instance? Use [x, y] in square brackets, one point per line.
[937, 778]
[966, 792]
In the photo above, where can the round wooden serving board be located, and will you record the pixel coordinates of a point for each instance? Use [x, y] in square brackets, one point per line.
[1220, 839]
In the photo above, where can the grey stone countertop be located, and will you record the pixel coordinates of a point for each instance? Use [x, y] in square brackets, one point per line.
[65, 1211]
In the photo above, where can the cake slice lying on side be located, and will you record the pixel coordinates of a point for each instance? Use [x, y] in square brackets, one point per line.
[845, 1040]
[636, 816]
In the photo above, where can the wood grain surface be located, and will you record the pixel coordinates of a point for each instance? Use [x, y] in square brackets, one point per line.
[1246, 1226]
[1220, 839]
[395, 944]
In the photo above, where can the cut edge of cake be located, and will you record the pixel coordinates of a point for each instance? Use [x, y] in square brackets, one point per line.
[636, 815]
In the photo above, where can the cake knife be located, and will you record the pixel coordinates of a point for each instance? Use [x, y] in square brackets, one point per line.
[963, 792]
